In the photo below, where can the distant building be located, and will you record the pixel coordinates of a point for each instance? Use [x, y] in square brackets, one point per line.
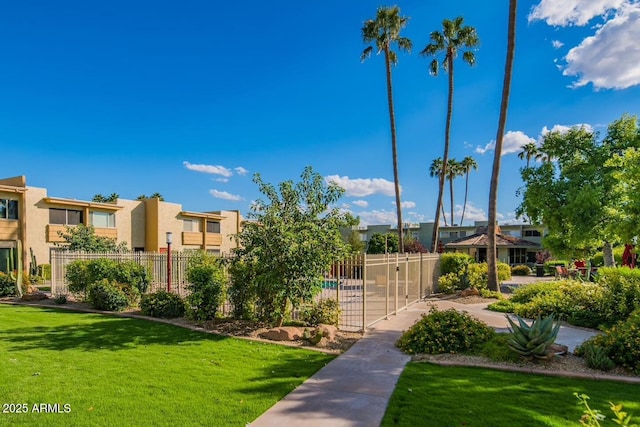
[517, 243]
[30, 215]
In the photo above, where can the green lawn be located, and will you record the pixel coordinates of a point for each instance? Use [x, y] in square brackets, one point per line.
[113, 371]
[431, 395]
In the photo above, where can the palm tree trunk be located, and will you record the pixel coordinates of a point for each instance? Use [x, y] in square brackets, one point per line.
[495, 174]
[451, 196]
[445, 157]
[394, 151]
[444, 217]
[466, 192]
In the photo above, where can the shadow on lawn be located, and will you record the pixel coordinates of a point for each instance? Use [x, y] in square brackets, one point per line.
[99, 333]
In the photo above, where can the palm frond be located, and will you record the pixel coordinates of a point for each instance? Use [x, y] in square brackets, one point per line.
[469, 58]
[405, 44]
[434, 67]
[366, 53]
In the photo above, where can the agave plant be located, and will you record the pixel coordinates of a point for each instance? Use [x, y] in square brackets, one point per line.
[535, 340]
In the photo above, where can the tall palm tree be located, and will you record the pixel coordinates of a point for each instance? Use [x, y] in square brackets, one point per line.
[383, 32]
[454, 37]
[530, 151]
[453, 171]
[467, 164]
[436, 170]
[493, 192]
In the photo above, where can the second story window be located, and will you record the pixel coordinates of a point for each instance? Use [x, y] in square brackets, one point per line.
[213, 227]
[65, 216]
[103, 219]
[8, 209]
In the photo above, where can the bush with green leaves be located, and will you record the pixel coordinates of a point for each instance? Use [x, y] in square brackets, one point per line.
[502, 306]
[107, 295]
[81, 274]
[497, 349]
[621, 342]
[448, 331]
[207, 283]
[520, 270]
[242, 289]
[454, 262]
[478, 274]
[449, 283]
[621, 287]
[595, 356]
[162, 304]
[526, 293]
[326, 311]
[7, 285]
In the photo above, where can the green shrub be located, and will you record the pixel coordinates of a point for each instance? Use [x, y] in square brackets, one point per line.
[132, 273]
[242, 291]
[162, 304]
[520, 270]
[595, 356]
[504, 271]
[449, 283]
[526, 293]
[478, 274]
[207, 286]
[535, 340]
[621, 342]
[497, 349]
[106, 295]
[325, 311]
[550, 266]
[621, 287]
[7, 285]
[598, 259]
[448, 331]
[503, 306]
[486, 293]
[78, 279]
[454, 262]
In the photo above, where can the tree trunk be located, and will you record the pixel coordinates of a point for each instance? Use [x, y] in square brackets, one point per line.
[444, 217]
[607, 253]
[495, 174]
[451, 196]
[394, 151]
[445, 157]
[466, 192]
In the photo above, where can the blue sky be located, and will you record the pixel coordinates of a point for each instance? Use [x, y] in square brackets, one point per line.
[190, 99]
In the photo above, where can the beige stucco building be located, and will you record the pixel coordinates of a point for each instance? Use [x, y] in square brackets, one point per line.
[30, 215]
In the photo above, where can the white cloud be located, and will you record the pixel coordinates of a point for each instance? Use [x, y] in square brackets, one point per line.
[472, 213]
[406, 205]
[224, 195]
[564, 129]
[512, 142]
[510, 218]
[222, 179]
[572, 12]
[361, 203]
[557, 44]
[610, 59]
[215, 170]
[416, 217]
[378, 217]
[361, 187]
[241, 171]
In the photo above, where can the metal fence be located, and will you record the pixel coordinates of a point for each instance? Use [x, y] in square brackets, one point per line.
[368, 288]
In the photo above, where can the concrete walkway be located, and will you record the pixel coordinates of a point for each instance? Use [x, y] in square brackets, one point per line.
[354, 389]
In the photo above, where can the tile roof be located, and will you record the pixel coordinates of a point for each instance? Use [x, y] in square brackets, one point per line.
[481, 240]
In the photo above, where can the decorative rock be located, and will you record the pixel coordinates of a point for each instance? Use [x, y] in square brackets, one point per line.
[35, 296]
[285, 333]
[469, 292]
[327, 331]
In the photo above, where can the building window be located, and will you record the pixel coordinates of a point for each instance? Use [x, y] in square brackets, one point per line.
[463, 233]
[532, 233]
[103, 219]
[190, 225]
[8, 209]
[65, 216]
[517, 256]
[213, 227]
[453, 234]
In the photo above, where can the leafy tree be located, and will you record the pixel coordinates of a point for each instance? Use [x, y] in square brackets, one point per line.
[356, 245]
[83, 238]
[413, 246]
[455, 36]
[383, 243]
[585, 196]
[436, 170]
[492, 249]
[384, 31]
[529, 151]
[467, 164]
[292, 241]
